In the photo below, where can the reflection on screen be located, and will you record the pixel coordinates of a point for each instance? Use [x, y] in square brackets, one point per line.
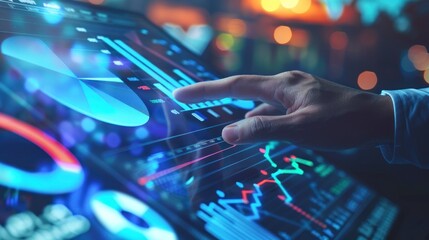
[94, 145]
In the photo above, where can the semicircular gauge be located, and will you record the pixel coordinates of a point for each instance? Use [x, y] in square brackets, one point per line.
[67, 174]
[108, 207]
[102, 96]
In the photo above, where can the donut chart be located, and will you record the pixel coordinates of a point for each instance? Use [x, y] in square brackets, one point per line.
[107, 207]
[91, 89]
[66, 176]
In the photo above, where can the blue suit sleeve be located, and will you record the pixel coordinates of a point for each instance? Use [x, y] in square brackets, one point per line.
[411, 143]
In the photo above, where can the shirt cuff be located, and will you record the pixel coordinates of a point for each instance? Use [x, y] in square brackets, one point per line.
[389, 150]
[411, 114]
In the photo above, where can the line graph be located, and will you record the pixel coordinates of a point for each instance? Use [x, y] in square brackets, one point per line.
[256, 192]
[252, 197]
[295, 164]
[295, 170]
[309, 199]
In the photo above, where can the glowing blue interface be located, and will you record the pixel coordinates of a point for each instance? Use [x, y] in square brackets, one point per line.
[94, 145]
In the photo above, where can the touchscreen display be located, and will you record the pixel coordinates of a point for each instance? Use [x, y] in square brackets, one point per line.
[94, 145]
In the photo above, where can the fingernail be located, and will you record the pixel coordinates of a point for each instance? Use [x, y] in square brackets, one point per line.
[175, 92]
[230, 133]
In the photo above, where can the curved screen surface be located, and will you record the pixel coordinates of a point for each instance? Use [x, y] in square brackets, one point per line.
[93, 84]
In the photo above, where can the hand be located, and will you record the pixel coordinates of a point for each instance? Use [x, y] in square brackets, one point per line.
[302, 109]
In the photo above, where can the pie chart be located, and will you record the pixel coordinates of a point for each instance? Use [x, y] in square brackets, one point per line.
[108, 208]
[100, 95]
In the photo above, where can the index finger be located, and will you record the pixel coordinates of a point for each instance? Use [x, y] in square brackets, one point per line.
[242, 86]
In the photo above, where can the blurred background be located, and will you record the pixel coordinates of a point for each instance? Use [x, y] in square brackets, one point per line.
[367, 44]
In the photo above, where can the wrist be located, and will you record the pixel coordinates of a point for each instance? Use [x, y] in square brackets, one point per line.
[385, 121]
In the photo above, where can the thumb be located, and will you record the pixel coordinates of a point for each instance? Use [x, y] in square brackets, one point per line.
[258, 129]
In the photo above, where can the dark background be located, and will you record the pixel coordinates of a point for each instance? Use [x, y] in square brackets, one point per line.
[387, 38]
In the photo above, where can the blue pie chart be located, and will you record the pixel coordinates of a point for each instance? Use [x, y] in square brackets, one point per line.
[107, 207]
[100, 95]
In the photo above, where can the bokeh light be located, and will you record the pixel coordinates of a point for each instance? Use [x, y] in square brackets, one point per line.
[113, 140]
[419, 56]
[142, 133]
[338, 40]
[415, 50]
[53, 18]
[65, 128]
[225, 41]
[270, 5]
[302, 7]
[367, 80]
[406, 65]
[289, 3]
[235, 26]
[31, 85]
[282, 34]
[88, 124]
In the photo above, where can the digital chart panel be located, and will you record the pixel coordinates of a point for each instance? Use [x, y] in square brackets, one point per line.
[95, 146]
[249, 191]
[323, 209]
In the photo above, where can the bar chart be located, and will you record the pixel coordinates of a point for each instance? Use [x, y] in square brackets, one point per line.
[166, 83]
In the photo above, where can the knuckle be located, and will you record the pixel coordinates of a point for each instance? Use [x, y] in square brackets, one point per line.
[239, 82]
[235, 82]
[258, 125]
[296, 74]
[294, 77]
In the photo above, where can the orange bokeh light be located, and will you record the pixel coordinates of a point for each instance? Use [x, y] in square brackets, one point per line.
[289, 3]
[415, 51]
[419, 56]
[160, 13]
[307, 11]
[282, 34]
[270, 5]
[302, 6]
[235, 26]
[367, 80]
